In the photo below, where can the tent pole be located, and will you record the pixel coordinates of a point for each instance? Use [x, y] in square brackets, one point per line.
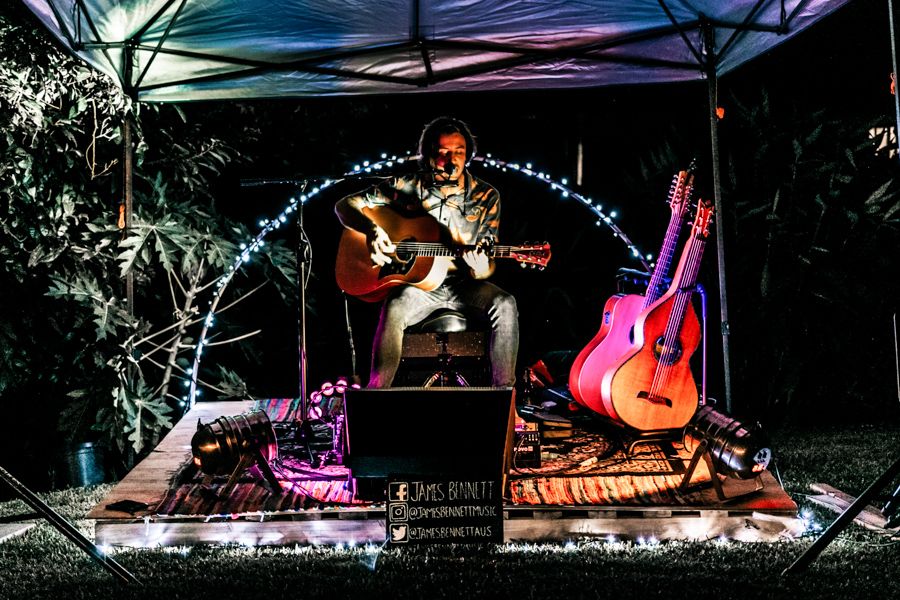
[128, 184]
[712, 89]
[892, 21]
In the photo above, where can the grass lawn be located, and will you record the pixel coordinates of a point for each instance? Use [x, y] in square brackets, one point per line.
[858, 564]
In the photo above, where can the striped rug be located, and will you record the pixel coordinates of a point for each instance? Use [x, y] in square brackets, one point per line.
[587, 469]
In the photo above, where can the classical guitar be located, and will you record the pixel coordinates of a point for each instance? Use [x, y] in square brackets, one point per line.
[620, 311]
[651, 387]
[423, 257]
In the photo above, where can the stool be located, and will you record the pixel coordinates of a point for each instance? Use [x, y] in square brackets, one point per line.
[442, 347]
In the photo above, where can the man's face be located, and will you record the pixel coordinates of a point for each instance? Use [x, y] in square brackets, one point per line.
[451, 156]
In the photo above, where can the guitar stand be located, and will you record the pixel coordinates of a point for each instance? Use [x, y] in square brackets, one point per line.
[702, 451]
[646, 437]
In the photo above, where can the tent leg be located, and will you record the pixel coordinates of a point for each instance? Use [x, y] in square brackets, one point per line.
[128, 192]
[712, 87]
[129, 203]
[892, 18]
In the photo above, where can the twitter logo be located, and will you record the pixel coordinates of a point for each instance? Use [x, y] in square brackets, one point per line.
[399, 534]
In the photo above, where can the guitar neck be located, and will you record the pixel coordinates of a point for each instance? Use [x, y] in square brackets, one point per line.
[684, 281]
[663, 261]
[438, 249]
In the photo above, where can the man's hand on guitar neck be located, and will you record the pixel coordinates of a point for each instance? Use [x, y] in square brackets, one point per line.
[478, 260]
[380, 245]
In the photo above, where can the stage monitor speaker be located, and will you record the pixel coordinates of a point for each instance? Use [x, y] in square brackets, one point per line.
[428, 432]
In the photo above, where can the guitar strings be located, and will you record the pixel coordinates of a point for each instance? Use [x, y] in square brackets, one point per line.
[664, 367]
[673, 325]
[680, 310]
[669, 242]
[437, 249]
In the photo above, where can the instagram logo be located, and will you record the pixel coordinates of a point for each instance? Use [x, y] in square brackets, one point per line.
[398, 512]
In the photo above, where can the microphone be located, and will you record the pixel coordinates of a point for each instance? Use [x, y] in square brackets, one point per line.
[448, 179]
[440, 166]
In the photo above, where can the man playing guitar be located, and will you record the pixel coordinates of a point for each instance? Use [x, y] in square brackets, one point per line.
[469, 209]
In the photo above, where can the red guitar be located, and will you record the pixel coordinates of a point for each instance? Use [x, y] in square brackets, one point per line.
[621, 311]
[651, 387]
[424, 255]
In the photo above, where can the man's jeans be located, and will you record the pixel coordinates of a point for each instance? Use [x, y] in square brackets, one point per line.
[409, 305]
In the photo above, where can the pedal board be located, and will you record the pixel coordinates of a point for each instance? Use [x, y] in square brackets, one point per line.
[551, 426]
[528, 449]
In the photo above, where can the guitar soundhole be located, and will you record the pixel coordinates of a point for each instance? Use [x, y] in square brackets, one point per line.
[400, 265]
[667, 355]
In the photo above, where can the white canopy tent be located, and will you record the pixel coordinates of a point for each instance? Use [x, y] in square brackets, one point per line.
[178, 50]
[184, 50]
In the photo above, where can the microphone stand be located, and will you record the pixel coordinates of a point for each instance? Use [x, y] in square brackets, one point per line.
[302, 251]
[304, 432]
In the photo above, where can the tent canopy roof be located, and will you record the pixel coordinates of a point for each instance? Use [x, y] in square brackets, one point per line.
[177, 50]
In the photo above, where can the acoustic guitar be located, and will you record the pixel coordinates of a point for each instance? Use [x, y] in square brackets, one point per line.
[651, 387]
[621, 310]
[424, 254]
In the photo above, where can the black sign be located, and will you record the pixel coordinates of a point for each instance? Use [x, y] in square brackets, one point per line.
[444, 510]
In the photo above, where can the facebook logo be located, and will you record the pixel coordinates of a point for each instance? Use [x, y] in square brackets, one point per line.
[398, 491]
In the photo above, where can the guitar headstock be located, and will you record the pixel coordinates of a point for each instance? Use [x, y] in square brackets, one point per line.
[680, 191]
[535, 256]
[700, 228]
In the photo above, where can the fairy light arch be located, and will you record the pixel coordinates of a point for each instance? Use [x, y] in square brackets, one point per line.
[385, 164]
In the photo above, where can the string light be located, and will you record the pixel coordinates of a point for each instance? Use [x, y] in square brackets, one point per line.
[810, 526]
[268, 225]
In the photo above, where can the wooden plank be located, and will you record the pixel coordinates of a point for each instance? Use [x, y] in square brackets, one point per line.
[838, 501]
[336, 531]
[740, 528]
[149, 480]
[772, 498]
[765, 514]
[11, 530]
[171, 532]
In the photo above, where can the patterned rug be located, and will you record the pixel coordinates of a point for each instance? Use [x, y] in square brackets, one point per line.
[592, 467]
[251, 495]
[588, 468]
[302, 485]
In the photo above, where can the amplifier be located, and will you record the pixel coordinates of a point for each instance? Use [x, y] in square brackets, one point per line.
[527, 449]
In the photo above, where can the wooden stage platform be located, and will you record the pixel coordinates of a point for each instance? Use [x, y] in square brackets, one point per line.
[265, 519]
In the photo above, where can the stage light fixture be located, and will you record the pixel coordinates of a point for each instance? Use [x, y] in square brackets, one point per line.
[229, 445]
[737, 450]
